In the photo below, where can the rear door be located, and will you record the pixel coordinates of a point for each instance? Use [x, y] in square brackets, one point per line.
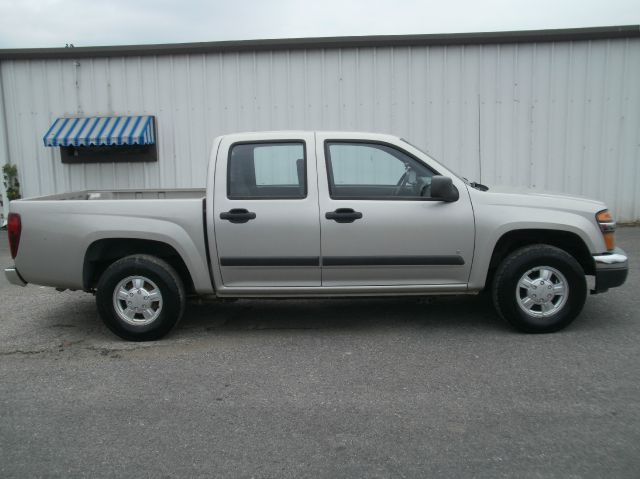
[379, 225]
[266, 211]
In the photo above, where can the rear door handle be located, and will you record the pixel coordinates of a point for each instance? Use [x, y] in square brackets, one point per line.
[343, 215]
[238, 215]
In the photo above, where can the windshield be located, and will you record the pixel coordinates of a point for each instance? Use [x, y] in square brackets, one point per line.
[473, 184]
[433, 159]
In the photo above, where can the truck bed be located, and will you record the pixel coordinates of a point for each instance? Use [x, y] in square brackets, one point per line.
[165, 194]
[59, 230]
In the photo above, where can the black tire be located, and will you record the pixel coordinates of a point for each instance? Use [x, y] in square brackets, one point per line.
[167, 281]
[514, 266]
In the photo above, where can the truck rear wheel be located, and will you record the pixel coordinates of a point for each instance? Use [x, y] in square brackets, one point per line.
[140, 298]
[539, 289]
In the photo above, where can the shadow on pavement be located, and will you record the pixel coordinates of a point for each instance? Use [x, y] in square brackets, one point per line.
[343, 314]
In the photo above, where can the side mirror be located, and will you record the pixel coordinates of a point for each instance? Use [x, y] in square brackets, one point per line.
[442, 188]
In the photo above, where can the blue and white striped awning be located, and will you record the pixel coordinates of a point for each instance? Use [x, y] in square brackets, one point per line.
[101, 130]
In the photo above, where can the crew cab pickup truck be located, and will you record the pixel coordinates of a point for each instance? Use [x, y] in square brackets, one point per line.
[317, 214]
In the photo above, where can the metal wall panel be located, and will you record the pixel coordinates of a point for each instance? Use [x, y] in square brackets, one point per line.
[561, 116]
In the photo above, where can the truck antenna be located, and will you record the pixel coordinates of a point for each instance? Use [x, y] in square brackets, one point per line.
[479, 143]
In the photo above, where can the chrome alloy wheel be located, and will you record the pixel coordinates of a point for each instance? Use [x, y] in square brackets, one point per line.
[542, 291]
[137, 300]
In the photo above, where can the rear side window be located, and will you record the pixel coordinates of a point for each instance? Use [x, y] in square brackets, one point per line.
[267, 171]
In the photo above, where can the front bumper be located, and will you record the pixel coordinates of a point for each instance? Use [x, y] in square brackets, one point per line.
[14, 277]
[611, 270]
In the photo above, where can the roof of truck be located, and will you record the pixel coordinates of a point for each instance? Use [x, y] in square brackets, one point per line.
[323, 132]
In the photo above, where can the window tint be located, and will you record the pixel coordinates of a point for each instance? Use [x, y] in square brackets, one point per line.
[267, 170]
[373, 171]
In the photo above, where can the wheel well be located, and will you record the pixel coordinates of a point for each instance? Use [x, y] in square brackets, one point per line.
[102, 253]
[513, 240]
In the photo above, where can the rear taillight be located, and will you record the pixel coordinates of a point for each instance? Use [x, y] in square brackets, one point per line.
[608, 227]
[14, 227]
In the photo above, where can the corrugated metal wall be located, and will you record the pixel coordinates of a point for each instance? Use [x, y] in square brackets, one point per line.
[562, 116]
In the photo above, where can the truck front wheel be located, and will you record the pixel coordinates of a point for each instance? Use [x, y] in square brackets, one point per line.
[140, 298]
[539, 289]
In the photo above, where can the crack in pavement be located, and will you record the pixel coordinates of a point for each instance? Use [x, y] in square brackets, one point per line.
[104, 351]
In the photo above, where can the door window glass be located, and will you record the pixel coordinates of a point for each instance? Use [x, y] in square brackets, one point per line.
[375, 171]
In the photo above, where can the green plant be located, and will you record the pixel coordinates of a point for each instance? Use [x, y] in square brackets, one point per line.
[11, 183]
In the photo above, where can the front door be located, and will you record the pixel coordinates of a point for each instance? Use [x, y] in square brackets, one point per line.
[379, 226]
[266, 212]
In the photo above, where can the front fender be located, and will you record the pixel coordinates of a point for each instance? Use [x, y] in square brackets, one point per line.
[493, 223]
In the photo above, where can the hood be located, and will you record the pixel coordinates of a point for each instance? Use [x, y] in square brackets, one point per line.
[506, 195]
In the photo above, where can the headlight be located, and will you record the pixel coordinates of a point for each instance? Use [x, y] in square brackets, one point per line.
[608, 227]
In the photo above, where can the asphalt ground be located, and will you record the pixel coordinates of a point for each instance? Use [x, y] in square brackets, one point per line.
[402, 387]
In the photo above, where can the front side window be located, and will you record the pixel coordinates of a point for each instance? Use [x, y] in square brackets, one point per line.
[375, 171]
[267, 171]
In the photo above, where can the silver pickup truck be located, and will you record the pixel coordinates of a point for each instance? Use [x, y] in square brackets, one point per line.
[317, 214]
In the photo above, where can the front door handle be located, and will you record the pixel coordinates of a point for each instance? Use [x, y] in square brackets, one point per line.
[343, 215]
[238, 215]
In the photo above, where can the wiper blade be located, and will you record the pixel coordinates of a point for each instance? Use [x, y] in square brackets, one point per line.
[478, 186]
